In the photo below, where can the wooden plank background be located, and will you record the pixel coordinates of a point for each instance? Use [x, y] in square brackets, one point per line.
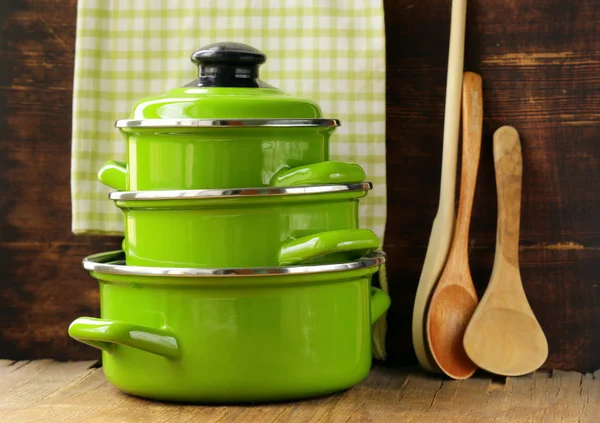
[540, 61]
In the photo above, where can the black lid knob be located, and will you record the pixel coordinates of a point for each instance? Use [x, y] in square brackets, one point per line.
[228, 64]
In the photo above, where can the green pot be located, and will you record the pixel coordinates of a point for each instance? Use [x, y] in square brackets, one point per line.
[233, 335]
[226, 129]
[244, 227]
[115, 175]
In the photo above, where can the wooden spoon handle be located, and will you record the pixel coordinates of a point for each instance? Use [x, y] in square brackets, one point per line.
[443, 224]
[508, 162]
[454, 81]
[472, 117]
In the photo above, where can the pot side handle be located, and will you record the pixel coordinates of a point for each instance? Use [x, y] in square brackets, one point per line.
[380, 302]
[347, 244]
[104, 334]
[114, 175]
[329, 172]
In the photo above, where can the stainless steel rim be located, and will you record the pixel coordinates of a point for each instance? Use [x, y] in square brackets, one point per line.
[225, 123]
[238, 192]
[113, 262]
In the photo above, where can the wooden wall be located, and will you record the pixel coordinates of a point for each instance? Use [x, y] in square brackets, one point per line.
[540, 62]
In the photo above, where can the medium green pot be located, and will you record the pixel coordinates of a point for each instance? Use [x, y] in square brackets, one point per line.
[233, 335]
[245, 227]
[225, 129]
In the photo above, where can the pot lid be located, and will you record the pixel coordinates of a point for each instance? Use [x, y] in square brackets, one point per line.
[113, 262]
[202, 194]
[227, 92]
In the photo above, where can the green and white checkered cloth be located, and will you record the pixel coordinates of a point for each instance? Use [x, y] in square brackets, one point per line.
[331, 51]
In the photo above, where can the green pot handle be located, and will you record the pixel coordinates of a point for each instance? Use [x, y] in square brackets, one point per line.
[344, 245]
[114, 175]
[329, 172]
[380, 302]
[104, 334]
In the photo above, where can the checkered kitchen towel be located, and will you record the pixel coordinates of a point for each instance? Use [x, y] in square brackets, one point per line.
[331, 51]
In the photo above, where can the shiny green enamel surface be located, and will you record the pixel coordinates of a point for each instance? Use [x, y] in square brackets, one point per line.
[245, 232]
[354, 242]
[228, 339]
[330, 172]
[205, 158]
[223, 103]
[114, 175]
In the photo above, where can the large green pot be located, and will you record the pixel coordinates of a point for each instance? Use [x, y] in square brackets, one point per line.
[226, 129]
[244, 227]
[233, 335]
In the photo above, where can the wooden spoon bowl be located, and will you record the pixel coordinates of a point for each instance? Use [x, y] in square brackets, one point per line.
[454, 305]
[504, 337]
[454, 300]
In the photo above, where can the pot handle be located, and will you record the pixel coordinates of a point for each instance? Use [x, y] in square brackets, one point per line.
[380, 302]
[104, 334]
[351, 244]
[329, 172]
[114, 175]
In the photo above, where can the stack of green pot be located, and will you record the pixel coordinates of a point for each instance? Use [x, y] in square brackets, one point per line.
[244, 274]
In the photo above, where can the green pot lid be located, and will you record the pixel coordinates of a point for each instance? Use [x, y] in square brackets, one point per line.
[227, 92]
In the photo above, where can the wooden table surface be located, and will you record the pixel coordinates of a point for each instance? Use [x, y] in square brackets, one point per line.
[50, 391]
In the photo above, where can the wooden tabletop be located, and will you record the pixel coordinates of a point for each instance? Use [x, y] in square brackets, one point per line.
[50, 391]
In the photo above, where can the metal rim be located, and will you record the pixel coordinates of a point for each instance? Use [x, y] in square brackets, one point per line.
[238, 192]
[113, 262]
[225, 123]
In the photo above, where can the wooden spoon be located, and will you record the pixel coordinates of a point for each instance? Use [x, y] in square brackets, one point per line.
[443, 224]
[504, 337]
[454, 299]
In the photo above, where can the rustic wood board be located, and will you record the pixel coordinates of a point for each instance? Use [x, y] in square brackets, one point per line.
[78, 391]
[42, 284]
[540, 62]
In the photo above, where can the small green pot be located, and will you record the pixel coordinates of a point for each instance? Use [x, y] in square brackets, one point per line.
[225, 129]
[233, 335]
[244, 228]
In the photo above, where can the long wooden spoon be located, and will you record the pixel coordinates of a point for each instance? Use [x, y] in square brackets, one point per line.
[504, 337]
[443, 224]
[454, 299]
